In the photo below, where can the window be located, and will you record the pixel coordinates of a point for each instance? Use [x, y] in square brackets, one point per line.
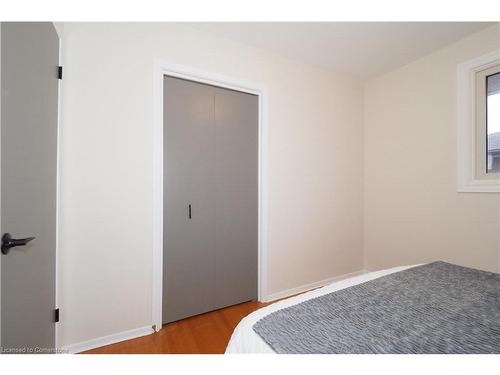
[487, 122]
[479, 124]
[493, 123]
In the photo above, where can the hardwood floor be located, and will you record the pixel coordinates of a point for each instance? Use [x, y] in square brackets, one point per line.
[201, 334]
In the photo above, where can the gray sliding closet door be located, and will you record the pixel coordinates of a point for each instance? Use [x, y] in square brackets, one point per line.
[189, 151]
[236, 216]
[210, 198]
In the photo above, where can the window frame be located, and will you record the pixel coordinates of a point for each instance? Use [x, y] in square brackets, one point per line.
[472, 176]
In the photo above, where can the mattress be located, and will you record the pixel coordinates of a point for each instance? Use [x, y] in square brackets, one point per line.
[245, 340]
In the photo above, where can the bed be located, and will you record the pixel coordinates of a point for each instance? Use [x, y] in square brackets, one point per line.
[484, 287]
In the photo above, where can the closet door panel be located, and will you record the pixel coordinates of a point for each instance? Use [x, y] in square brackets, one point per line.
[236, 197]
[189, 243]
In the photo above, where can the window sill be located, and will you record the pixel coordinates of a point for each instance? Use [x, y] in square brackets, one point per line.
[479, 186]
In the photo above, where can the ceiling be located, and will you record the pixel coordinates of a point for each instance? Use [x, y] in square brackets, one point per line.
[360, 49]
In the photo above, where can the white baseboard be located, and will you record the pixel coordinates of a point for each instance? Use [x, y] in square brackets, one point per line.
[107, 340]
[305, 288]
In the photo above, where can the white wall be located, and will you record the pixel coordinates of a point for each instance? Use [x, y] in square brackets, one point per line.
[315, 168]
[413, 212]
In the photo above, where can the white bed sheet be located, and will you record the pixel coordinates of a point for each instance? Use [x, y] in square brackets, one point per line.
[244, 338]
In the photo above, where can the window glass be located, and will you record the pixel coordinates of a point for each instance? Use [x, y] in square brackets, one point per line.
[493, 123]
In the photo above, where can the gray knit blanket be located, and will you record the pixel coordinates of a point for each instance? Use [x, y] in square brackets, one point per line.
[434, 308]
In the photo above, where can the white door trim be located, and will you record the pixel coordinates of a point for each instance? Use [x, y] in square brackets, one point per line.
[162, 68]
[0, 189]
[58, 188]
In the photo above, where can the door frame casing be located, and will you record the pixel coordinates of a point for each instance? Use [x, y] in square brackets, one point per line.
[59, 32]
[164, 68]
[0, 183]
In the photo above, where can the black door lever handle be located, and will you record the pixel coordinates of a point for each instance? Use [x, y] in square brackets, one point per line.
[8, 242]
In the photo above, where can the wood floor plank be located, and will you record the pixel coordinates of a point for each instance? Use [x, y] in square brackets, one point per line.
[206, 333]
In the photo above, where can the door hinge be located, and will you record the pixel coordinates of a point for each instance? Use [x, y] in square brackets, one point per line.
[59, 72]
[56, 315]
